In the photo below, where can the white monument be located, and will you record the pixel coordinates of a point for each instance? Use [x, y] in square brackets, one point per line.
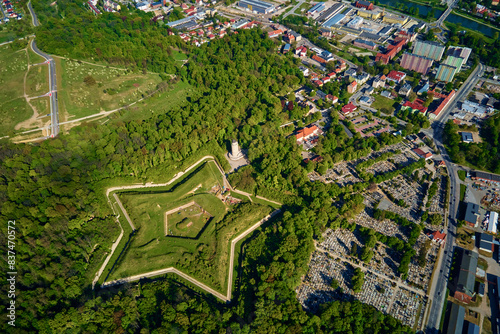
[236, 153]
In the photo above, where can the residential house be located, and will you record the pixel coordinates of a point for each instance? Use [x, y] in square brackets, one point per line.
[349, 108]
[405, 90]
[422, 154]
[471, 214]
[467, 137]
[306, 133]
[332, 98]
[301, 51]
[351, 88]
[437, 237]
[396, 76]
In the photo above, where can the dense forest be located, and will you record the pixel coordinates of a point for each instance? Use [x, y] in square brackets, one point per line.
[484, 155]
[55, 191]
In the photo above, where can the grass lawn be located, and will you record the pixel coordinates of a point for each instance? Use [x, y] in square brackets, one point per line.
[383, 102]
[13, 107]
[462, 191]
[205, 256]
[461, 175]
[34, 58]
[42, 104]
[112, 89]
[179, 55]
[464, 238]
[160, 103]
[37, 82]
[304, 6]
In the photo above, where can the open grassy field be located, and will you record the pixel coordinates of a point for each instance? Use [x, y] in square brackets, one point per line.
[175, 96]
[37, 81]
[383, 102]
[204, 254]
[107, 88]
[13, 106]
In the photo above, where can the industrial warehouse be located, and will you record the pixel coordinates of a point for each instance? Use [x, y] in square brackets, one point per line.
[257, 6]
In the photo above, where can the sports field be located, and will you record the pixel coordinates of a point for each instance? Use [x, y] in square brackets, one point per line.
[198, 235]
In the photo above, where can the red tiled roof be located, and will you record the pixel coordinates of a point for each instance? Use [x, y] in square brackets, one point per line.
[421, 153]
[349, 108]
[418, 104]
[306, 132]
[444, 103]
[396, 75]
[319, 59]
[438, 236]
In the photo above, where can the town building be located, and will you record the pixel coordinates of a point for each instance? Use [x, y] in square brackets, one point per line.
[328, 13]
[385, 31]
[405, 90]
[355, 22]
[333, 99]
[493, 222]
[349, 108]
[416, 63]
[316, 9]
[421, 154]
[378, 82]
[424, 89]
[306, 133]
[465, 281]
[396, 76]
[257, 6]
[446, 101]
[370, 14]
[471, 214]
[364, 44]
[275, 33]
[364, 4]
[390, 52]
[456, 319]
[438, 237]
[428, 49]
[365, 100]
[351, 88]
[394, 19]
[304, 70]
[486, 177]
[361, 78]
[301, 51]
[461, 52]
[446, 72]
[454, 61]
[467, 137]
[286, 48]
[486, 243]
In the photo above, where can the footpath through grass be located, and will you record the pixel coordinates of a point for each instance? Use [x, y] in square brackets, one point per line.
[204, 253]
[87, 89]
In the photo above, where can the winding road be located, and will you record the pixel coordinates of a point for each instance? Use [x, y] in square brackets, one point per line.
[54, 108]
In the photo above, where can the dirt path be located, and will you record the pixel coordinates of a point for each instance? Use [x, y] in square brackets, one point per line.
[33, 121]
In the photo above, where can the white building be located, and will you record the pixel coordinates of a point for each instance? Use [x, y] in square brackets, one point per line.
[492, 222]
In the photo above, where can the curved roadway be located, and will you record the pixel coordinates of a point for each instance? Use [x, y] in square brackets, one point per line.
[54, 109]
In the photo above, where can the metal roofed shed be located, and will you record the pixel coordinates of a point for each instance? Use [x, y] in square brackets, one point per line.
[257, 6]
[486, 243]
[456, 319]
[467, 137]
[334, 20]
[493, 222]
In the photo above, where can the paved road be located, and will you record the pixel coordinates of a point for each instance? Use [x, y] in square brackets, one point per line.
[124, 212]
[292, 11]
[438, 291]
[54, 108]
